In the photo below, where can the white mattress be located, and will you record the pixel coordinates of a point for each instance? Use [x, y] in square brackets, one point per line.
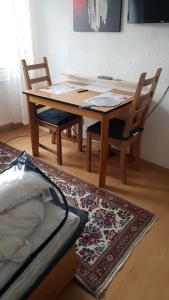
[53, 217]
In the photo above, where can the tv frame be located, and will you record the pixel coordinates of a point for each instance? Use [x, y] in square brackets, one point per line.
[142, 18]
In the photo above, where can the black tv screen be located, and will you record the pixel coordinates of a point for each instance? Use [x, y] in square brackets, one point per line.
[148, 11]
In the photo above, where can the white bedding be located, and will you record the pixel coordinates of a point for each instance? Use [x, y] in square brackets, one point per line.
[17, 186]
[16, 224]
[22, 210]
[25, 222]
[53, 216]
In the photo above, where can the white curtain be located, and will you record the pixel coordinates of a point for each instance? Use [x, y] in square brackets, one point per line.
[16, 43]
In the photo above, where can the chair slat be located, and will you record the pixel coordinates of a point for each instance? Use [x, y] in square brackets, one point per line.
[36, 66]
[145, 96]
[38, 79]
[139, 111]
[149, 81]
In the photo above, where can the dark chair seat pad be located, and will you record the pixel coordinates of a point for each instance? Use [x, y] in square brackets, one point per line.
[116, 129]
[55, 116]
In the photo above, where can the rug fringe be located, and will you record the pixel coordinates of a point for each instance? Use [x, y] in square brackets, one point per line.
[125, 257]
[104, 285]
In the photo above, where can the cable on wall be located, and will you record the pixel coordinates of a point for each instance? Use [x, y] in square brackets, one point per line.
[158, 103]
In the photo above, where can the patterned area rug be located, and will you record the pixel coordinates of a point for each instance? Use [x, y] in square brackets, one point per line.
[114, 228]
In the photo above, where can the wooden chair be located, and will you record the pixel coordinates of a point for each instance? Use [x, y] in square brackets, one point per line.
[53, 119]
[127, 133]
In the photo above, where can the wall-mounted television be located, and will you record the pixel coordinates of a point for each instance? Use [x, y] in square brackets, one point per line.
[148, 11]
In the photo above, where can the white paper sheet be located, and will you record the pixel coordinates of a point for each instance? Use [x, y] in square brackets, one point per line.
[98, 88]
[61, 88]
[106, 99]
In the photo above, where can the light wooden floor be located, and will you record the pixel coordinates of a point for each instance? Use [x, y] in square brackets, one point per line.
[145, 275]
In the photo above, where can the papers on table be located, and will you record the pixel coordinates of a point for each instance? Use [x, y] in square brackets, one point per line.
[98, 88]
[106, 99]
[61, 88]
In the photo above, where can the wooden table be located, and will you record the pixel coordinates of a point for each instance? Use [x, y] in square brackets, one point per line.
[70, 102]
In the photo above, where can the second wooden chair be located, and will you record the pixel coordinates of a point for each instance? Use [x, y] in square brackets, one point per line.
[127, 133]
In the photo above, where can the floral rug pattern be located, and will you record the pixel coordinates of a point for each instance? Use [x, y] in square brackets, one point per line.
[113, 229]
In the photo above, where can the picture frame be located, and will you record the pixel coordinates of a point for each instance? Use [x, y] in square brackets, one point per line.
[97, 15]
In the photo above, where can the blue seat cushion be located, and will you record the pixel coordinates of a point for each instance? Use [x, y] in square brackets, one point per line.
[116, 129]
[55, 116]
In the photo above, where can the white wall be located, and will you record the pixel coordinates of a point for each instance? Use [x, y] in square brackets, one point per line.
[137, 48]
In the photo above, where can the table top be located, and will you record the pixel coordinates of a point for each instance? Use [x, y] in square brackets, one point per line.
[76, 99]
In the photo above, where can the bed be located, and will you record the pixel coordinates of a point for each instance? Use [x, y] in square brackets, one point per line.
[40, 261]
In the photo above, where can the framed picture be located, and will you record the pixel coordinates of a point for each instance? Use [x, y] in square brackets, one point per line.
[97, 15]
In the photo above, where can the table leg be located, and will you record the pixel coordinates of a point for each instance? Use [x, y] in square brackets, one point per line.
[33, 128]
[103, 151]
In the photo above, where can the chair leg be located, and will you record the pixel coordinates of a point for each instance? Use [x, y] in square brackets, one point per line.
[80, 135]
[53, 141]
[137, 153]
[88, 152]
[109, 151]
[69, 132]
[131, 153]
[59, 146]
[123, 164]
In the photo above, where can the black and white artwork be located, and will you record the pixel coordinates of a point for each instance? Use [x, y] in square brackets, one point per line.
[97, 15]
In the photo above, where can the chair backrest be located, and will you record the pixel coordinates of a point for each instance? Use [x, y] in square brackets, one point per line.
[28, 68]
[141, 102]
